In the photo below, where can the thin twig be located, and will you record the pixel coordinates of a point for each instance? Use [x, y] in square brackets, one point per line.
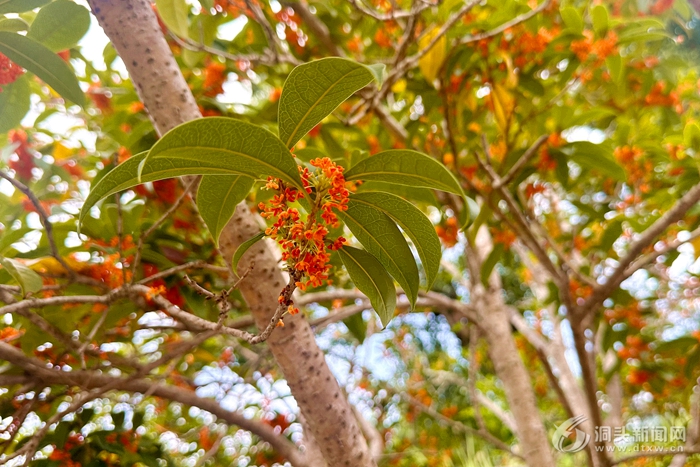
[524, 159]
[394, 15]
[673, 215]
[44, 217]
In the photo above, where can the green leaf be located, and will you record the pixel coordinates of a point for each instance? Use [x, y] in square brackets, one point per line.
[416, 225]
[60, 25]
[41, 61]
[357, 326]
[122, 177]
[596, 157]
[174, 15]
[490, 263]
[382, 238]
[612, 232]
[202, 30]
[692, 362]
[28, 280]
[14, 103]
[313, 91]
[572, 18]
[421, 195]
[405, 167]
[370, 277]
[241, 250]
[9, 237]
[691, 136]
[220, 145]
[217, 198]
[20, 6]
[601, 19]
[13, 25]
[614, 64]
[682, 345]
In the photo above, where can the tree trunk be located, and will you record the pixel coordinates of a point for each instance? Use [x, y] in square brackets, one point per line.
[510, 369]
[132, 27]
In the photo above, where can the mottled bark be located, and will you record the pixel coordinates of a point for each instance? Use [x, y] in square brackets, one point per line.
[133, 29]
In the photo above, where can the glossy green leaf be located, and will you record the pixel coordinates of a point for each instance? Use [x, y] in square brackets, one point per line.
[572, 18]
[20, 6]
[217, 198]
[357, 326]
[41, 61]
[14, 103]
[174, 15]
[60, 25]
[612, 232]
[314, 90]
[13, 25]
[122, 177]
[490, 262]
[9, 237]
[596, 157]
[382, 238]
[370, 277]
[692, 362]
[691, 135]
[414, 223]
[615, 67]
[405, 167]
[243, 248]
[224, 146]
[601, 19]
[682, 345]
[202, 30]
[28, 280]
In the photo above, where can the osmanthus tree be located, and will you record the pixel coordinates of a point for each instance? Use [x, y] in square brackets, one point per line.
[511, 187]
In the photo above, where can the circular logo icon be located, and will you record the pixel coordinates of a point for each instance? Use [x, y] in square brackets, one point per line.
[566, 430]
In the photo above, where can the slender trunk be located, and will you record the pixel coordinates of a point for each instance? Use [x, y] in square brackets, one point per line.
[510, 369]
[693, 429]
[133, 29]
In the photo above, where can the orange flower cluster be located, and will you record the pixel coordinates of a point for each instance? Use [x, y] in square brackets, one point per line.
[382, 39]
[64, 458]
[233, 7]
[531, 189]
[214, 77]
[99, 98]
[304, 242]
[9, 334]
[168, 190]
[504, 237]
[128, 439]
[9, 71]
[24, 163]
[172, 294]
[579, 291]
[110, 271]
[638, 168]
[601, 48]
[449, 232]
[638, 377]
[527, 47]
[658, 97]
[631, 314]
[660, 6]
[292, 32]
